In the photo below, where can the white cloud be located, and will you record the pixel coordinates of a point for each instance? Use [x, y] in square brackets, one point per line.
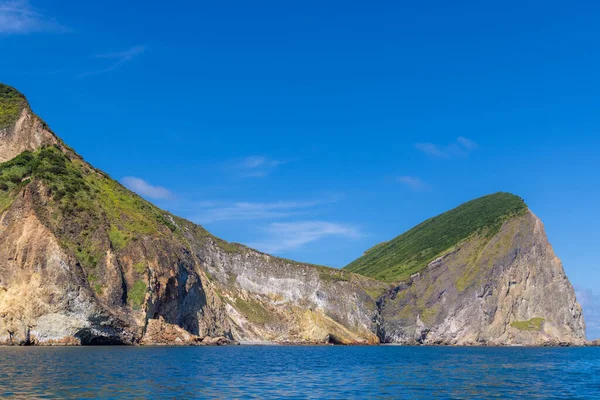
[145, 189]
[459, 148]
[467, 143]
[124, 55]
[282, 236]
[431, 149]
[118, 59]
[254, 166]
[240, 211]
[590, 303]
[19, 17]
[414, 183]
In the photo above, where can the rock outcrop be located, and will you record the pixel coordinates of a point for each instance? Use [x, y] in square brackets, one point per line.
[271, 299]
[158, 332]
[23, 131]
[85, 261]
[509, 289]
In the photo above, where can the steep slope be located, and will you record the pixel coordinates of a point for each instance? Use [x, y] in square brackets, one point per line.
[20, 129]
[482, 273]
[506, 289]
[84, 260]
[410, 252]
[273, 299]
[89, 239]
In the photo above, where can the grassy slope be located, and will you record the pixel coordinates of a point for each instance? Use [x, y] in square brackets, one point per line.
[82, 203]
[410, 252]
[11, 104]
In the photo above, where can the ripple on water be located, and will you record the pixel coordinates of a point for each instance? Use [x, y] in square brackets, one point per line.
[299, 372]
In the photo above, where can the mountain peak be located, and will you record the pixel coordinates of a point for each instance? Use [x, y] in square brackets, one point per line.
[7, 91]
[20, 128]
[410, 252]
[12, 103]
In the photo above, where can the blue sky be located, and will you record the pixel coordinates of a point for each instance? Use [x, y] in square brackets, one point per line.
[314, 130]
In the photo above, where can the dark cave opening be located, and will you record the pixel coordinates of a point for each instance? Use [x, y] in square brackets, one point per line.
[88, 338]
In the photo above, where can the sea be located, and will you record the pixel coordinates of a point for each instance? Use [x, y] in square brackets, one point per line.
[300, 372]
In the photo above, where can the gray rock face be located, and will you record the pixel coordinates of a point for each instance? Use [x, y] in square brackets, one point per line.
[508, 289]
[291, 302]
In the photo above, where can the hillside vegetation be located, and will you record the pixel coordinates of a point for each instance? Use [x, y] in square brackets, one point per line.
[83, 204]
[397, 259]
[11, 104]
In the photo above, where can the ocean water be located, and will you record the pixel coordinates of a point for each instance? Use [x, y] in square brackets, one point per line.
[386, 372]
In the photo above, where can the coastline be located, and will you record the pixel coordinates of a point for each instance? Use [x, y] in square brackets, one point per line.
[223, 342]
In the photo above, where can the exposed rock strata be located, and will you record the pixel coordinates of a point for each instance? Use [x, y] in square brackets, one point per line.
[268, 298]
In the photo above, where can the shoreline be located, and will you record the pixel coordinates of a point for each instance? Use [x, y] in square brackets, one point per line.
[302, 344]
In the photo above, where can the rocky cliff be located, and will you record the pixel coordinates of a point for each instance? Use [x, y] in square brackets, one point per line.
[506, 289]
[272, 299]
[85, 261]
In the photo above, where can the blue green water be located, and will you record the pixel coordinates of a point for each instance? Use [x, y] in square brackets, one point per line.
[385, 372]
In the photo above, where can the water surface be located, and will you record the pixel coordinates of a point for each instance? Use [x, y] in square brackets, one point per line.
[384, 372]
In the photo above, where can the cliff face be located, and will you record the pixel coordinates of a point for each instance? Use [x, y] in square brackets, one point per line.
[500, 290]
[272, 299]
[22, 131]
[47, 296]
[43, 294]
[85, 261]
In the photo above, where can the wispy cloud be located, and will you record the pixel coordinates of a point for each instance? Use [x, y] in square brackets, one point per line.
[461, 147]
[145, 189]
[243, 211]
[282, 236]
[205, 204]
[19, 17]
[414, 183]
[590, 302]
[254, 166]
[117, 60]
[467, 143]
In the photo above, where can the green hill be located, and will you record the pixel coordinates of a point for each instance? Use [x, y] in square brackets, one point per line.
[397, 259]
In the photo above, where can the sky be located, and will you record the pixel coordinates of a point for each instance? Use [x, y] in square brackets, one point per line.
[315, 129]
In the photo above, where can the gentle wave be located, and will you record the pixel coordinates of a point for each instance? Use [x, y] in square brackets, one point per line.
[386, 372]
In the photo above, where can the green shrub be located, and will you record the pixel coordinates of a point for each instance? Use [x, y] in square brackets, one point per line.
[98, 288]
[332, 275]
[117, 239]
[254, 311]
[534, 324]
[139, 267]
[137, 294]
